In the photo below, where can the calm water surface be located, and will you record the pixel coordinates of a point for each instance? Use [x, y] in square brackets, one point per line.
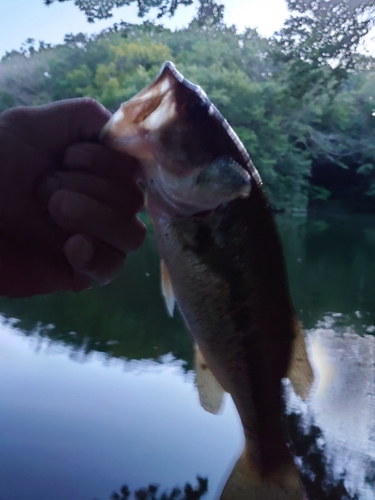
[97, 389]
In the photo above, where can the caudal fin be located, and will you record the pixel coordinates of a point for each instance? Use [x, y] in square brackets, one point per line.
[246, 483]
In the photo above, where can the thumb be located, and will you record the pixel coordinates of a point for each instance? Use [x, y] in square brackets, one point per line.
[57, 125]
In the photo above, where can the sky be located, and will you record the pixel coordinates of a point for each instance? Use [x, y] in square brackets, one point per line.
[22, 19]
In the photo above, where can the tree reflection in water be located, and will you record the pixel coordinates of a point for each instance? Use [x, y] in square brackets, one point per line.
[318, 478]
[152, 492]
[330, 268]
[333, 435]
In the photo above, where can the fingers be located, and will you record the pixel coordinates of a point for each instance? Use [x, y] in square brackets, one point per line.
[54, 127]
[70, 121]
[95, 200]
[124, 197]
[79, 214]
[102, 161]
[92, 261]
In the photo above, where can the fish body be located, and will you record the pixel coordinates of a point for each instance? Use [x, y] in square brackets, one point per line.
[222, 262]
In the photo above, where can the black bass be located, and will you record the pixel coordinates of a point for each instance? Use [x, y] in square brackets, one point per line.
[222, 262]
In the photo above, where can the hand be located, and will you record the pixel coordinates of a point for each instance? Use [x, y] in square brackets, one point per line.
[67, 204]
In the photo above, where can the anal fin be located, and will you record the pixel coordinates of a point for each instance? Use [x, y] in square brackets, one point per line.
[300, 372]
[211, 394]
[166, 288]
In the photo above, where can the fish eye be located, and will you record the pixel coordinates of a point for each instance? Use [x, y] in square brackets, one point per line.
[197, 108]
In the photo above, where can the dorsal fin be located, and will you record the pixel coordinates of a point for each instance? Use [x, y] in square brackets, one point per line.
[211, 394]
[166, 288]
[300, 372]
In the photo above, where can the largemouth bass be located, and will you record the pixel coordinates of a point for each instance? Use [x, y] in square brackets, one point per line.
[222, 262]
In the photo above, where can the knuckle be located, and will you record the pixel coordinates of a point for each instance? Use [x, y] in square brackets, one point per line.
[87, 119]
[14, 116]
[91, 106]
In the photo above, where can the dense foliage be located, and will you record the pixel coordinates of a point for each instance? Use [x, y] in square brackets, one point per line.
[326, 31]
[300, 123]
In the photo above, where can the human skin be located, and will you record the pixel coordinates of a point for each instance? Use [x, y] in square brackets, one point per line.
[68, 204]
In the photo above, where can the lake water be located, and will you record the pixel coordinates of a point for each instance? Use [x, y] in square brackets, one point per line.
[97, 390]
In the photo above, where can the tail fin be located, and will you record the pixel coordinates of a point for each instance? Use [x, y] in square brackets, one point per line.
[246, 483]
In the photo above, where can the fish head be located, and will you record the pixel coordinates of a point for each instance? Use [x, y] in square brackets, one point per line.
[190, 159]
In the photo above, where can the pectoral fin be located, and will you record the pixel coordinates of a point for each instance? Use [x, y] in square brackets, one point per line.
[300, 372]
[166, 288]
[211, 394]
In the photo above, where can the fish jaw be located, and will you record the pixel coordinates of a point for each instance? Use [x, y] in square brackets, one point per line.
[167, 127]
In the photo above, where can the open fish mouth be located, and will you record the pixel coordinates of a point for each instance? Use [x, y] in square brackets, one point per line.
[182, 143]
[143, 112]
[165, 100]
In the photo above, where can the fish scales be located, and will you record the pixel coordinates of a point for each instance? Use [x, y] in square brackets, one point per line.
[222, 261]
[221, 278]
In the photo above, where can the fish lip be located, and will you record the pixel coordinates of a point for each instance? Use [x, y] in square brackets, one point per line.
[169, 68]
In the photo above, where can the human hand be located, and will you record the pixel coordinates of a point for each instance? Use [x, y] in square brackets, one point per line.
[67, 204]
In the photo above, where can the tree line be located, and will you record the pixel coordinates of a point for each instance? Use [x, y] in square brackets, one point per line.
[301, 101]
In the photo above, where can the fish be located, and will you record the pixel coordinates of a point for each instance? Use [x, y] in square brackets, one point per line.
[222, 264]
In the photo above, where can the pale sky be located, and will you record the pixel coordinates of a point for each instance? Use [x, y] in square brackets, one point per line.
[21, 19]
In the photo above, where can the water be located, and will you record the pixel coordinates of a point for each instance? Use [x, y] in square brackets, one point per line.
[97, 389]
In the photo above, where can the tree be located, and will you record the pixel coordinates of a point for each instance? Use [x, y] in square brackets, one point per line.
[102, 9]
[321, 33]
[298, 128]
[210, 14]
[152, 492]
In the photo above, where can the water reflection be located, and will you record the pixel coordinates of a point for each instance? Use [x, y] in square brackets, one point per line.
[334, 435]
[73, 429]
[331, 265]
[152, 492]
[97, 390]
[125, 319]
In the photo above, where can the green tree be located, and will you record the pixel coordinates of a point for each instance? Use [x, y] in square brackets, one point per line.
[297, 132]
[210, 14]
[321, 31]
[320, 39]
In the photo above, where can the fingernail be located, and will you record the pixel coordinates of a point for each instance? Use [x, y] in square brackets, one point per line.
[47, 186]
[79, 252]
